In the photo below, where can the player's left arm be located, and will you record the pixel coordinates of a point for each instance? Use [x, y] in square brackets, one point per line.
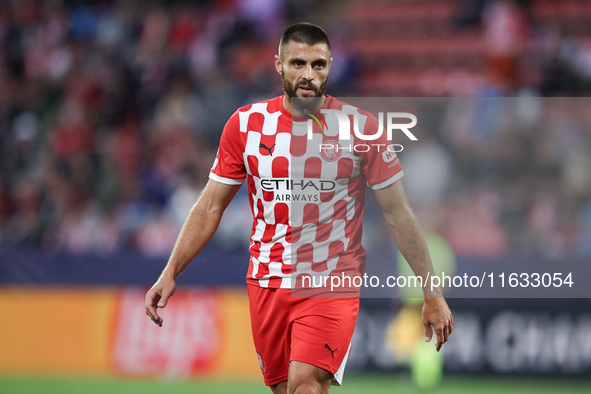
[407, 234]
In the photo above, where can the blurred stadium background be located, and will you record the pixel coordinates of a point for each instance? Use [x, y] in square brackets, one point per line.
[110, 114]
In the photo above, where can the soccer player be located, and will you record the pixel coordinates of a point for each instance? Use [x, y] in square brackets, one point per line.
[307, 205]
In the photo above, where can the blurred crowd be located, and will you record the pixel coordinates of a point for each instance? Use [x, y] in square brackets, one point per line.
[111, 111]
[110, 114]
[497, 175]
[530, 46]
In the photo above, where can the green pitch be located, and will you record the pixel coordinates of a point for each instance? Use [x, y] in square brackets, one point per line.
[352, 385]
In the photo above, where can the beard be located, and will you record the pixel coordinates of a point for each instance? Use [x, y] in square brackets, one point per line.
[308, 100]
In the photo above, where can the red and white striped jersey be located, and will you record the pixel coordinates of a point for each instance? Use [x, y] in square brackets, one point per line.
[307, 194]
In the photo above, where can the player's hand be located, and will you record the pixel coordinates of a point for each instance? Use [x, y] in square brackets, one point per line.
[437, 316]
[157, 297]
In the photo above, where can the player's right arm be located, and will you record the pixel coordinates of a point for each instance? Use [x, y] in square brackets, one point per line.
[226, 176]
[200, 225]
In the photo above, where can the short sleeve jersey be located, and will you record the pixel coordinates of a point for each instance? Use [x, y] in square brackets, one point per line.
[306, 188]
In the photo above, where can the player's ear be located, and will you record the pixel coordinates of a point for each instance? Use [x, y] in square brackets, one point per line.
[278, 67]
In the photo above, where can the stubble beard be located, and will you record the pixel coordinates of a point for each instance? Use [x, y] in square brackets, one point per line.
[313, 100]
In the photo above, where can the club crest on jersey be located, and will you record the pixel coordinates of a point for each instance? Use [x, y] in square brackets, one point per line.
[331, 150]
[266, 150]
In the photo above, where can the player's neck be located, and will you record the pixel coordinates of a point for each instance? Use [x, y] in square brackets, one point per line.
[294, 111]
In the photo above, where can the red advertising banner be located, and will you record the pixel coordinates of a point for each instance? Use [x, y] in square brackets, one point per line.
[104, 331]
[188, 343]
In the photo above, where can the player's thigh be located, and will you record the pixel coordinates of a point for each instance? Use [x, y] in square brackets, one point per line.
[309, 378]
[279, 388]
[269, 313]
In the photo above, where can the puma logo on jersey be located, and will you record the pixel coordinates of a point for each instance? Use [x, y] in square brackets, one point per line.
[330, 350]
[263, 146]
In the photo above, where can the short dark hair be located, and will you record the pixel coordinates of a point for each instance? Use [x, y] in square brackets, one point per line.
[305, 33]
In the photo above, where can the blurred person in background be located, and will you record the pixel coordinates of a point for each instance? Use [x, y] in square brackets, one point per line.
[504, 39]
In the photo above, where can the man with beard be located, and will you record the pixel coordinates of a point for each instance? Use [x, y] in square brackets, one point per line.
[302, 343]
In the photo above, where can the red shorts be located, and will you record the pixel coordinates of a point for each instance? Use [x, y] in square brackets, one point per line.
[316, 331]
